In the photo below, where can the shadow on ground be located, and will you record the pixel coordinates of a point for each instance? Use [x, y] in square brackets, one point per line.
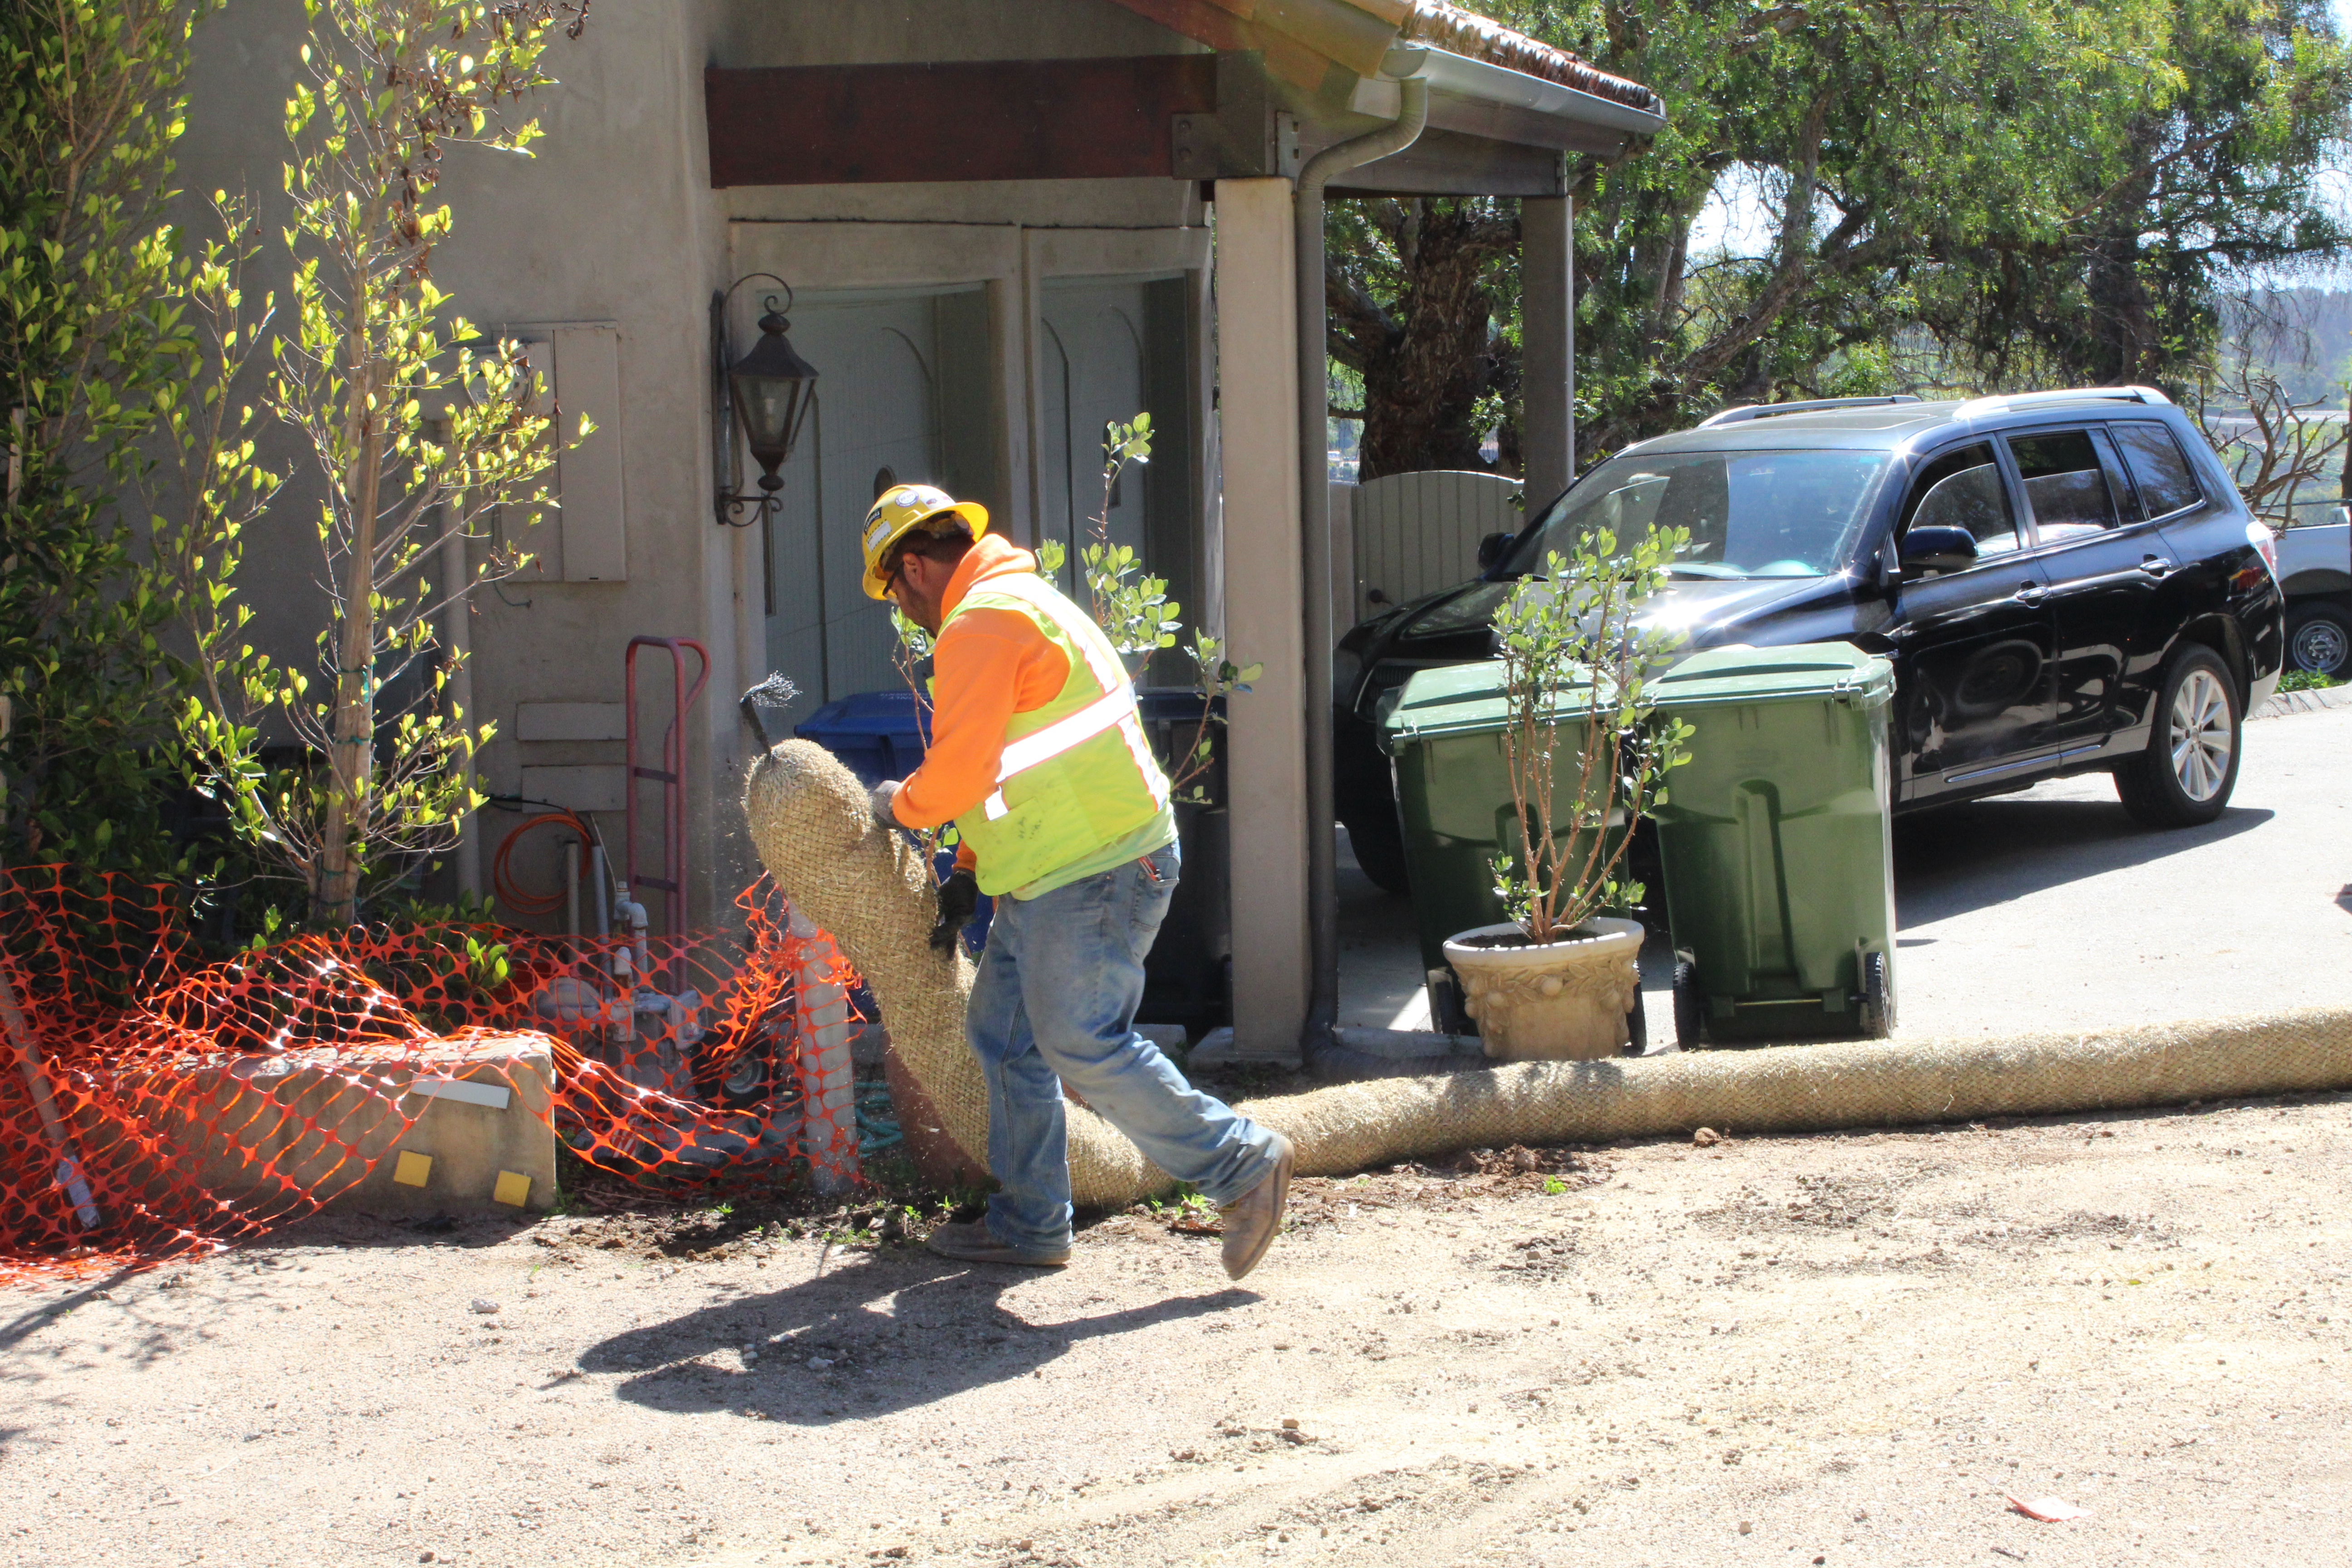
[1964, 857]
[898, 1330]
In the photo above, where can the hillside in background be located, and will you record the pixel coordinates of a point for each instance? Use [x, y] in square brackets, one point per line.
[2303, 336]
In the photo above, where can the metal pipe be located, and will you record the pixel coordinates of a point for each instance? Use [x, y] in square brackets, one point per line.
[571, 852]
[457, 633]
[70, 1178]
[828, 1074]
[1314, 523]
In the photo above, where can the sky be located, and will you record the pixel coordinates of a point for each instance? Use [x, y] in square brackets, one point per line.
[1740, 216]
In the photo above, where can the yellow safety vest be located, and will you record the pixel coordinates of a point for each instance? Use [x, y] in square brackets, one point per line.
[1077, 775]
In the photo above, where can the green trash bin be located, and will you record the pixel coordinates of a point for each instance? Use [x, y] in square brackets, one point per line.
[1444, 735]
[1774, 842]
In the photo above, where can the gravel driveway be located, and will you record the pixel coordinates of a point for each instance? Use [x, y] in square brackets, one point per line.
[1845, 1349]
[1836, 1350]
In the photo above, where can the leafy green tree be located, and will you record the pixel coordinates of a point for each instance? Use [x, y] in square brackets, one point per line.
[1975, 194]
[1579, 717]
[1424, 295]
[416, 427]
[2219, 169]
[92, 341]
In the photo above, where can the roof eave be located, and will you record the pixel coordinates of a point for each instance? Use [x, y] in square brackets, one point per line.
[1459, 76]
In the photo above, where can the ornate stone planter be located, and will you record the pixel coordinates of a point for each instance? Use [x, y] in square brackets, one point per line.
[1565, 1001]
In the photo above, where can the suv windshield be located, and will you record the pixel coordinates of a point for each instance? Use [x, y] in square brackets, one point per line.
[1750, 514]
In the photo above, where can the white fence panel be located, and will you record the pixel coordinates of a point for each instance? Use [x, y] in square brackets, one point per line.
[1416, 533]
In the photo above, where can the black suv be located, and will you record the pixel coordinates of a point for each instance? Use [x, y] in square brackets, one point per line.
[2065, 581]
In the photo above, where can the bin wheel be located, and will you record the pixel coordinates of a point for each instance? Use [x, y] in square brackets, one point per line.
[1878, 997]
[1445, 1014]
[1637, 1029]
[1690, 1007]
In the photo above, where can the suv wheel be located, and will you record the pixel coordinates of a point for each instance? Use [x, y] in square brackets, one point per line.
[1690, 1007]
[2185, 776]
[2319, 639]
[1379, 851]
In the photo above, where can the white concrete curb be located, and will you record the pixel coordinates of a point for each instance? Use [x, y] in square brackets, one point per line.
[2287, 702]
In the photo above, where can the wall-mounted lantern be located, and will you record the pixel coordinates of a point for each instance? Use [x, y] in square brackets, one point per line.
[768, 390]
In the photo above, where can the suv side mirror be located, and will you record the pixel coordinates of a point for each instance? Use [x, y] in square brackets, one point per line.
[1492, 548]
[1932, 547]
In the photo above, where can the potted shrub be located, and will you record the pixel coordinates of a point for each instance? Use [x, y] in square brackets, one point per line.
[1587, 756]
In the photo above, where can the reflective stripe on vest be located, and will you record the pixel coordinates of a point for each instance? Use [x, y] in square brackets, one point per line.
[1115, 707]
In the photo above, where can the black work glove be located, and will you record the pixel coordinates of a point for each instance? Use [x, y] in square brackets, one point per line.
[959, 898]
[880, 798]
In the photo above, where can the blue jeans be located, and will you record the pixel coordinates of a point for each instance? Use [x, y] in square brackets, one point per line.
[1055, 1002]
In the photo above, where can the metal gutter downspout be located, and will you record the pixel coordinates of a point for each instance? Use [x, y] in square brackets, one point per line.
[1315, 521]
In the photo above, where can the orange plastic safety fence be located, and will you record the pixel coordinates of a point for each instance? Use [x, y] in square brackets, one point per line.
[153, 1101]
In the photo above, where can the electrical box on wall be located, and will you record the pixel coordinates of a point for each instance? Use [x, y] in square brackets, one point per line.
[586, 538]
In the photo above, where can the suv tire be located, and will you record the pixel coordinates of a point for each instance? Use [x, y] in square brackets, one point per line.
[1381, 854]
[2185, 776]
[2319, 639]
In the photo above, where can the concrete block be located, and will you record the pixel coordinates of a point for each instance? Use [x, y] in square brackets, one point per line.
[589, 787]
[571, 721]
[254, 1129]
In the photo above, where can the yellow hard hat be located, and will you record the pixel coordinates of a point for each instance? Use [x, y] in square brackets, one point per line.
[901, 510]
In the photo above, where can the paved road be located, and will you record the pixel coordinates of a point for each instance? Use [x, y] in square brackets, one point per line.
[2051, 910]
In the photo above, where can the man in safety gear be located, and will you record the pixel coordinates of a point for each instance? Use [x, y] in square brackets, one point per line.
[1039, 758]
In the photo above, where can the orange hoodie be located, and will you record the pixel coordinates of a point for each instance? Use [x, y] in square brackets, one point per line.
[985, 667]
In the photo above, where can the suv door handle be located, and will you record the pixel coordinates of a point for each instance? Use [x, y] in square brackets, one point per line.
[2154, 565]
[2032, 593]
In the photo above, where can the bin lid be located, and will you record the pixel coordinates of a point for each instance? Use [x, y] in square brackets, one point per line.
[866, 714]
[1801, 672]
[1461, 699]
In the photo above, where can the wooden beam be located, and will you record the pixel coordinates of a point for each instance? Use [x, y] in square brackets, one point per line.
[1448, 163]
[1232, 24]
[994, 120]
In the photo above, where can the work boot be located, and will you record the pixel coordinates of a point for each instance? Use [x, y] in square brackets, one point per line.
[1252, 1219]
[975, 1243]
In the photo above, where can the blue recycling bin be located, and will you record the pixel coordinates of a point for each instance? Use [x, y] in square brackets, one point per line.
[877, 734]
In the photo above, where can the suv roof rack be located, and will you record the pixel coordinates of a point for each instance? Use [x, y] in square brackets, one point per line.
[2007, 402]
[1810, 405]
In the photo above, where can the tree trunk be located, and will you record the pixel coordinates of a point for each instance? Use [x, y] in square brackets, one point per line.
[351, 758]
[1426, 365]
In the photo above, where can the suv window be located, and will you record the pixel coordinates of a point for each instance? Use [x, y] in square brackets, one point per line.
[2166, 483]
[1963, 489]
[2065, 484]
[1770, 513]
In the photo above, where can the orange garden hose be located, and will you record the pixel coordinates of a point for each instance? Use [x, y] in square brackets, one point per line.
[502, 881]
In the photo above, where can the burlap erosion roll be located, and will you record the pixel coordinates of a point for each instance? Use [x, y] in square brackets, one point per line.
[872, 891]
[815, 833]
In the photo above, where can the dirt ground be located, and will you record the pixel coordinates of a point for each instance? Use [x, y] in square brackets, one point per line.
[1829, 1350]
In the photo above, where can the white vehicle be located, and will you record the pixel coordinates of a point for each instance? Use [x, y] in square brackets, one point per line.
[2314, 571]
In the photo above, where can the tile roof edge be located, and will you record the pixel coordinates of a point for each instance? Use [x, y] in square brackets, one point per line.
[1450, 27]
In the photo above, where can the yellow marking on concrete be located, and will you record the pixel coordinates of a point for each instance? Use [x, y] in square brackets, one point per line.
[413, 1169]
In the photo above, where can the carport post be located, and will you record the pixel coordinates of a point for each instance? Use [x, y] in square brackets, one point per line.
[1266, 736]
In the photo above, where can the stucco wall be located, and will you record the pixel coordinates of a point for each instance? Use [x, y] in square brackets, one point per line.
[614, 221]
